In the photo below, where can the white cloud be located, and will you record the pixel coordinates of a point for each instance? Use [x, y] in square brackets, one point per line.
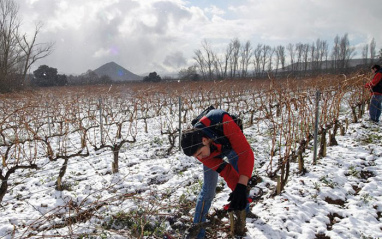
[175, 60]
[102, 53]
[145, 35]
[214, 10]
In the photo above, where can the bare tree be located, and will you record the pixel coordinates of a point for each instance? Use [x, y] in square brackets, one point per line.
[365, 53]
[281, 55]
[209, 58]
[9, 53]
[292, 53]
[313, 54]
[319, 54]
[372, 50]
[346, 51]
[270, 57]
[342, 52]
[206, 60]
[246, 55]
[277, 63]
[218, 65]
[189, 73]
[325, 53]
[235, 57]
[199, 58]
[264, 57]
[227, 57]
[305, 54]
[299, 52]
[17, 52]
[257, 53]
[33, 51]
[336, 52]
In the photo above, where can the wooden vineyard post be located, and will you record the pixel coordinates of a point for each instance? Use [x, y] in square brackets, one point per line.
[180, 123]
[237, 223]
[316, 127]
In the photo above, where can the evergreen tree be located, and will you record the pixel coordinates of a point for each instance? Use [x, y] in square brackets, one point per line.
[152, 77]
[47, 76]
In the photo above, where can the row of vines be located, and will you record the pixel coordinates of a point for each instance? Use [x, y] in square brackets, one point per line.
[67, 125]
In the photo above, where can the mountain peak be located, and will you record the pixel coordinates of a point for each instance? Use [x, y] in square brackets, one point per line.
[116, 72]
[112, 63]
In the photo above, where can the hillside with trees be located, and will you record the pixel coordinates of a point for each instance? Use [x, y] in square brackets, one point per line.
[243, 60]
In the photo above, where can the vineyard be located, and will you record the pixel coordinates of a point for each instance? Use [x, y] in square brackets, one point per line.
[104, 161]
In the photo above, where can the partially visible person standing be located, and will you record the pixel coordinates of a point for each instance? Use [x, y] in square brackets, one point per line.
[375, 86]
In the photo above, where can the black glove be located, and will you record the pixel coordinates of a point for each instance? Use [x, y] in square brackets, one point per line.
[238, 198]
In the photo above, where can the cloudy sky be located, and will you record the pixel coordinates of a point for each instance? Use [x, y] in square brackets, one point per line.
[162, 35]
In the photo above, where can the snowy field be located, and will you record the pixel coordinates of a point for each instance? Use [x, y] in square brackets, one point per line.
[339, 197]
[153, 193]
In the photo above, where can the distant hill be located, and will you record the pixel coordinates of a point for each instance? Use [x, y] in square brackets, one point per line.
[327, 65]
[116, 72]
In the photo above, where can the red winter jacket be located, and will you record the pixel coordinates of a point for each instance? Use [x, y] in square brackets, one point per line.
[237, 142]
[375, 84]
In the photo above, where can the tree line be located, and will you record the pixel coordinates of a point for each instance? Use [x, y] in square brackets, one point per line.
[47, 76]
[242, 60]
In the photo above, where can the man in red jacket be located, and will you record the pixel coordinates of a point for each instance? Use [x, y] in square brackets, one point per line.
[214, 137]
[375, 86]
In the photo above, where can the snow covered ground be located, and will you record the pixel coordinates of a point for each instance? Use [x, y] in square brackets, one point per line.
[339, 197]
